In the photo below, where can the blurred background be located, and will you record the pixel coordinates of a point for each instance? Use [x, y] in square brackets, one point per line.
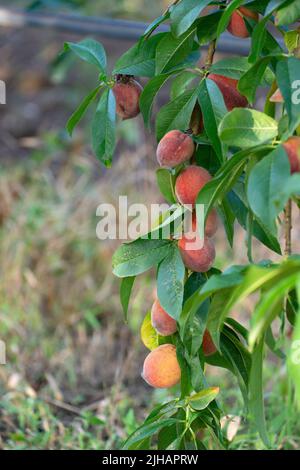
[72, 378]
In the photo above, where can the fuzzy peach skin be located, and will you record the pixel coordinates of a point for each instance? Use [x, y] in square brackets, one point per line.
[292, 148]
[197, 259]
[228, 87]
[189, 182]
[127, 96]
[174, 148]
[161, 368]
[208, 345]
[161, 321]
[237, 26]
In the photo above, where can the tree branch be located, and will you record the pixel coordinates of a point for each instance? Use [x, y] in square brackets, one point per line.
[288, 228]
[210, 53]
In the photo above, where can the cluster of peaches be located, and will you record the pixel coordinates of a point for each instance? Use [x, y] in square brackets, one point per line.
[161, 368]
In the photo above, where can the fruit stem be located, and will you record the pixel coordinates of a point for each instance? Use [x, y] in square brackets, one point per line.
[288, 228]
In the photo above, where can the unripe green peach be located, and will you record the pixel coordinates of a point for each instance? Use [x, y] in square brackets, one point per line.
[208, 345]
[189, 182]
[174, 148]
[237, 25]
[127, 94]
[292, 148]
[161, 321]
[161, 368]
[197, 255]
[228, 87]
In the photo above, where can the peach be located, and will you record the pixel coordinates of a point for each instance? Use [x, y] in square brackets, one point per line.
[277, 97]
[208, 345]
[161, 321]
[292, 148]
[127, 93]
[211, 225]
[237, 25]
[197, 255]
[228, 87]
[174, 148]
[189, 182]
[161, 368]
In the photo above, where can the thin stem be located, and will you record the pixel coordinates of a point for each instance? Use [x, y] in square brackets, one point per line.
[288, 228]
[210, 53]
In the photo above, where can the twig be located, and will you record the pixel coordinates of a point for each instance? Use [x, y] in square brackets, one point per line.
[210, 53]
[288, 228]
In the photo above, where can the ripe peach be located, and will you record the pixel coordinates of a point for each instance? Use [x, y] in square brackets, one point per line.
[237, 25]
[207, 344]
[161, 368]
[200, 257]
[228, 88]
[189, 182]
[161, 321]
[174, 148]
[292, 148]
[211, 224]
[127, 93]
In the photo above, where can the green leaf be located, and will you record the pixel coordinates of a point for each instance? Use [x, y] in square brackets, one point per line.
[171, 51]
[139, 59]
[237, 355]
[227, 15]
[233, 67]
[258, 38]
[134, 258]
[104, 128]
[289, 14]
[291, 39]
[147, 430]
[184, 14]
[89, 50]
[125, 292]
[294, 355]
[213, 110]
[252, 79]
[181, 83]
[238, 204]
[80, 111]
[216, 189]
[228, 219]
[207, 27]
[176, 114]
[256, 398]
[275, 5]
[170, 283]
[148, 94]
[270, 305]
[165, 182]
[288, 78]
[202, 399]
[154, 24]
[247, 128]
[264, 185]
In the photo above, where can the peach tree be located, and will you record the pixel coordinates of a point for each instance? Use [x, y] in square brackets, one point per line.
[215, 150]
